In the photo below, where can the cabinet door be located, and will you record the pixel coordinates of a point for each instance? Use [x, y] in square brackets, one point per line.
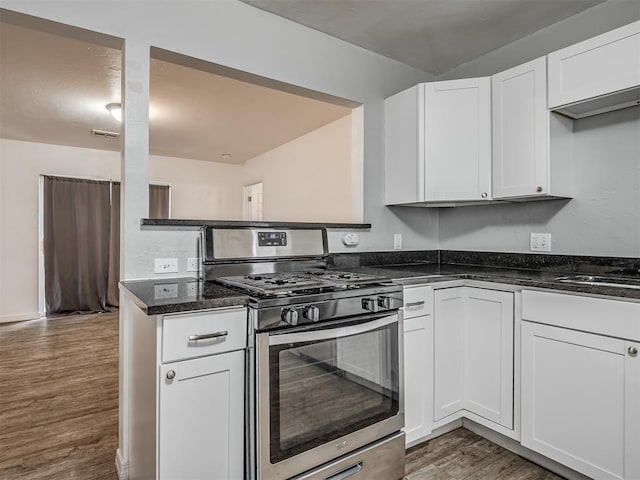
[488, 347]
[201, 422]
[521, 131]
[604, 64]
[418, 387]
[580, 400]
[458, 140]
[404, 140]
[448, 343]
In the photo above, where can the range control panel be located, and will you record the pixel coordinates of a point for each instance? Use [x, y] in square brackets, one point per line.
[272, 239]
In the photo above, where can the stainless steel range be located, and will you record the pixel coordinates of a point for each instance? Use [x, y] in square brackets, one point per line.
[325, 357]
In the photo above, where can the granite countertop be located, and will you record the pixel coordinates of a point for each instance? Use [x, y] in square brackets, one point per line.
[407, 274]
[172, 295]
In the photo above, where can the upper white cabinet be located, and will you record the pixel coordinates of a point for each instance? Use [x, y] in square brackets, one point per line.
[606, 65]
[438, 143]
[521, 131]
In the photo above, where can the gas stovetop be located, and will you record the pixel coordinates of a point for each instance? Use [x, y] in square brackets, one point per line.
[306, 282]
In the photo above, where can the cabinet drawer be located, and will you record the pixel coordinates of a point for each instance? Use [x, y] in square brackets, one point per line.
[595, 315]
[417, 301]
[218, 331]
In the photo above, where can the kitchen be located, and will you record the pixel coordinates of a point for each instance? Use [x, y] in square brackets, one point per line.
[368, 80]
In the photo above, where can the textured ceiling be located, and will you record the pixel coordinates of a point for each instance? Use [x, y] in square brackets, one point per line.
[434, 36]
[54, 89]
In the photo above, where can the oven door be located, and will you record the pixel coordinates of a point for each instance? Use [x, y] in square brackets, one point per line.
[326, 390]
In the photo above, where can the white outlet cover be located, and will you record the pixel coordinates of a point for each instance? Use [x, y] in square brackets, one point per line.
[192, 264]
[169, 290]
[397, 241]
[192, 289]
[540, 242]
[166, 265]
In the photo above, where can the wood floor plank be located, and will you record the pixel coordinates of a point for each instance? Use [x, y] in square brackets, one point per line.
[463, 455]
[59, 398]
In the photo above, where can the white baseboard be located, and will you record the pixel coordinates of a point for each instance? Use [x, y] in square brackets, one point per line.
[20, 317]
[122, 468]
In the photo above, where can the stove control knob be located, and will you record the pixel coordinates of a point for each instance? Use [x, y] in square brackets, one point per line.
[290, 315]
[311, 313]
[384, 303]
[370, 304]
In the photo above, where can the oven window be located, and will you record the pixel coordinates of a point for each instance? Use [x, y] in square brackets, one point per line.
[322, 390]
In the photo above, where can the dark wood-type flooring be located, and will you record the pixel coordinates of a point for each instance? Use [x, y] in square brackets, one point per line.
[59, 398]
[463, 455]
[59, 411]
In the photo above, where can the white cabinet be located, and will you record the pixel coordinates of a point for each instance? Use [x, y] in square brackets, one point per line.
[473, 354]
[581, 389]
[418, 363]
[599, 66]
[521, 131]
[201, 418]
[581, 400]
[438, 143]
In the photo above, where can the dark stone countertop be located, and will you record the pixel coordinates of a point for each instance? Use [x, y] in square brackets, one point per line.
[408, 274]
[185, 222]
[173, 295]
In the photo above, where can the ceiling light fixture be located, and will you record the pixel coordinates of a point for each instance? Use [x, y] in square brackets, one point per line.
[226, 156]
[115, 109]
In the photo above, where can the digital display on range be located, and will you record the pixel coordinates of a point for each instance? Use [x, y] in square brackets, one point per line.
[272, 239]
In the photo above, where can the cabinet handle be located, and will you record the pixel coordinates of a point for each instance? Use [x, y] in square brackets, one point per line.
[414, 304]
[206, 336]
[171, 374]
[484, 195]
[539, 189]
[633, 351]
[346, 472]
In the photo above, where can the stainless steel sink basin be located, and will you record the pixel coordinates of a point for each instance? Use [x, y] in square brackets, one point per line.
[601, 281]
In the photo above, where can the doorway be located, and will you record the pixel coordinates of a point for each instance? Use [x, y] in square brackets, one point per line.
[252, 202]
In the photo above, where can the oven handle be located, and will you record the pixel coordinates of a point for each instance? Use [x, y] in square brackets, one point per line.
[329, 334]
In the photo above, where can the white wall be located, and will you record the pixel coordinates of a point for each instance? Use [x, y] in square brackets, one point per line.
[603, 218]
[237, 35]
[194, 183]
[309, 178]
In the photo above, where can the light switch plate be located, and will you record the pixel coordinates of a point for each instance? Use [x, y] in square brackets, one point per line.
[540, 242]
[166, 265]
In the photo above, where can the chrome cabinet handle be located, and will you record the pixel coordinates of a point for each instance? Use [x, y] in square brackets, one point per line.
[539, 189]
[171, 374]
[484, 195]
[206, 336]
[414, 304]
[632, 351]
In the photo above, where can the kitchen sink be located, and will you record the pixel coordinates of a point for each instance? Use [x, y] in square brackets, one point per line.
[601, 281]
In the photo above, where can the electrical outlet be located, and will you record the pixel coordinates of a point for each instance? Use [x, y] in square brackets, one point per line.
[397, 241]
[170, 290]
[192, 289]
[192, 264]
[166, 265]
[540, 242]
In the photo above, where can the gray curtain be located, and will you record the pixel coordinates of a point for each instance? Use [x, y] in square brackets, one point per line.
[113, 298]
[159, 201]
[76, 244]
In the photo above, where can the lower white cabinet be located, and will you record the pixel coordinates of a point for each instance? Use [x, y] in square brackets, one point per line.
[473, 354]
[201, 418]
[418, 365]
[581, 400]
